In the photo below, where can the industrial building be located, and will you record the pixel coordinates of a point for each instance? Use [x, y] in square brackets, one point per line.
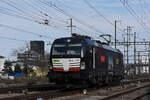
[2, 60]
[34, 54]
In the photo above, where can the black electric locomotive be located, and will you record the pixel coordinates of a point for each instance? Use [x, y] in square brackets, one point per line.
[79, 59]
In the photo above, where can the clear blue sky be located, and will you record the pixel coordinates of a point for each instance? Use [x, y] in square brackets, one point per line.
[21, 20]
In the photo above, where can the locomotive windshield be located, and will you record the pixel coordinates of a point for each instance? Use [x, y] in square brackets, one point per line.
[67, 49]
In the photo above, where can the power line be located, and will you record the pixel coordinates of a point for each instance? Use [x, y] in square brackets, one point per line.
[101, 15]
[43, 9]
[33, 5]
[80, 29]
[22, 30]
[67, 14]
[133, 13]
[8, 38]
[39, 22]
[12, 4]
[40, 15]
[85, 31]
[29, 19]
[146, 8]
[18, 16]
[57, 21]
[45, 15]
[23, 17]
[11, 10]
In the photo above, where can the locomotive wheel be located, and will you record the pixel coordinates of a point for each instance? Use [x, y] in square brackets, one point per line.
[84, 84]
[106, 80]
[93, 81]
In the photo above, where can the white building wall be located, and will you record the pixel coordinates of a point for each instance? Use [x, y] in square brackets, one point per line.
[2, 60]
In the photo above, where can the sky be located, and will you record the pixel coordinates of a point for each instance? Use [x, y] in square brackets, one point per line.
[23, 20]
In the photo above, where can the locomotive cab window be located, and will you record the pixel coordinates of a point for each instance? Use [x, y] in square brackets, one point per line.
[67, 49]
[58, 49]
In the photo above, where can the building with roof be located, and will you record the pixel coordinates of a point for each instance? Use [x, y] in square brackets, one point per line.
[2, 60]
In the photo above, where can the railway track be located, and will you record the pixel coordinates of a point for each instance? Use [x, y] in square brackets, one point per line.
[47, 86]
[144, 97]
[45, 95]
[130, 94]
[50, 91]
[35, 87]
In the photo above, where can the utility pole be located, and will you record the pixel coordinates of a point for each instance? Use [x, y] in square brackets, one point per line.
[149, 57]
[135, 51]
[124, 50]
[115, 33]
[127, 45]
[139, 62]
[129, 28]
[71, 27]
[128, 41]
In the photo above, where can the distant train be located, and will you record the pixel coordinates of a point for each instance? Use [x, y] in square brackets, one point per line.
[79, 59]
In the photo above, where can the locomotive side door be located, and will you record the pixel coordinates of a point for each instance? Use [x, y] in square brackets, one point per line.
[94, 57]
[110, 64]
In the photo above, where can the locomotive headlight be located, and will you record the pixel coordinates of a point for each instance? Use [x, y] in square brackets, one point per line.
[82, 65]
[50, 66]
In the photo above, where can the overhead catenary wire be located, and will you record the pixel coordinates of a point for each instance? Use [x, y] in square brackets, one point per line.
[60, 1]
[101, 15]
[10, 10]
[15, 39]
[76, 27]
[10, 13]
[22, 12]
[80, 29]
[43, 9]
[23, 17]
[98, 12]
[145, 8]
[54, 23]
[54, 6]
[85, 31]
[70, 16]
[38, 13]
[4, 11]
[52, 18]
[22, 30]
[12, 4]
[133, 13]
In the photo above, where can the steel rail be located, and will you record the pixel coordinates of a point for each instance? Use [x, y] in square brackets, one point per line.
[115, 95]
[44, 95]
[141, 96]
[18, 89]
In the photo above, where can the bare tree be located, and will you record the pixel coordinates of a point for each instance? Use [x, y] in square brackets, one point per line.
[20, 49]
